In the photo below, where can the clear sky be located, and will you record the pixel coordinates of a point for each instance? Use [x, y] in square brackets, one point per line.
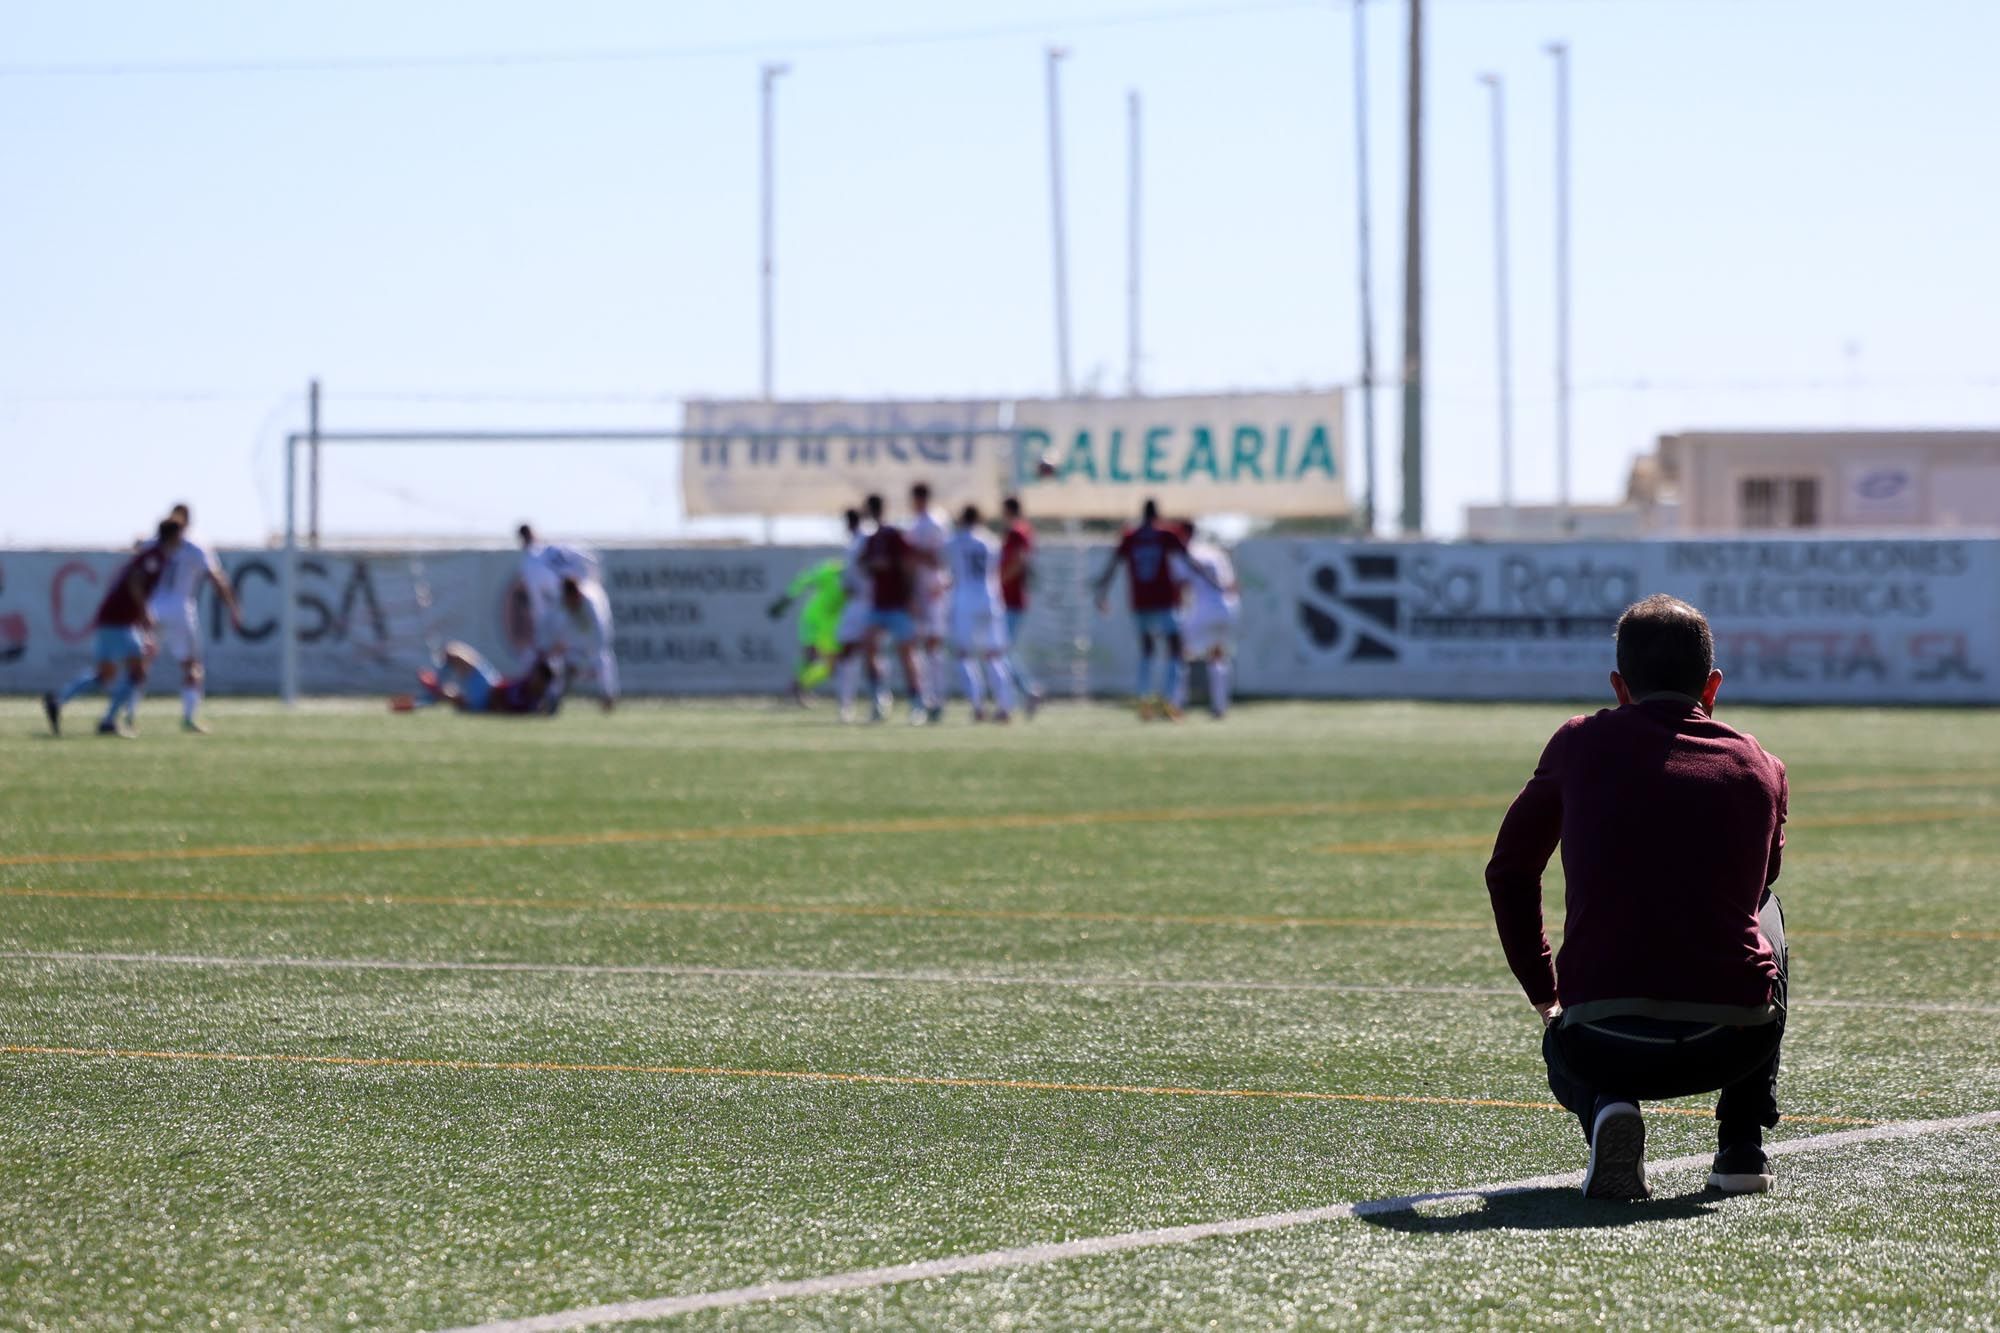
[1783, 216]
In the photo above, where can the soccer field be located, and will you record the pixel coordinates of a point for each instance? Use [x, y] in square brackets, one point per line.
[342, 1019]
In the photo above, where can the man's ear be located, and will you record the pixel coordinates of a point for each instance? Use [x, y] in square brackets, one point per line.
[1708, 690]
[1620, 689]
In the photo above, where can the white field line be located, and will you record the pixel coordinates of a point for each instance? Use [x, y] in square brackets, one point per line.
[929, 978]
[863, 1279]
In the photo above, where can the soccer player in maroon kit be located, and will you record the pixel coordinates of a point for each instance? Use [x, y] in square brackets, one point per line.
[122, 620]
[1672, 975]
[891, 563]
[1147, 552]
[1017, 560]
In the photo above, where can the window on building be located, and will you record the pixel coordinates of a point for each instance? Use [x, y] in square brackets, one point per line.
[1778, 502]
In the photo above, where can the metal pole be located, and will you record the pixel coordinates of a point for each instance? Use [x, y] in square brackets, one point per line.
[312, 464]
[771, 74]
[288, 581]
[1560, 50]
[1367, 268]
[1413, 288]
[1055, 57]
[1132, 263]
[1502, 321]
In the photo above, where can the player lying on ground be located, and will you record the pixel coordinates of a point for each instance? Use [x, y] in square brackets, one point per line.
[822, 587]
[1147, 554]
[176, 626]
[978, 626]
[120, 641]
[1208, 623]
[569, 611]
[1672, 975]
[467, 682]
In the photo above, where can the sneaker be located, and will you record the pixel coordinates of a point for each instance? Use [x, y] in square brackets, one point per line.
[1170, 712]
[918, 716]
[53, 712]
[1741, 1169]
[934, 714]
[1002, 719]
[1146, 709]
[194, 726]
[110, 727]
[1617, 1153]
[979, 715]
[846, 714]
[1034, 702]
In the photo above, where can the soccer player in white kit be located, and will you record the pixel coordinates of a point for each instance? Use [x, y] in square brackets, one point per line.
[930, 606]
[978, 616]
[173, 606]
[855, 659]
[570, 610]
[1209, 629]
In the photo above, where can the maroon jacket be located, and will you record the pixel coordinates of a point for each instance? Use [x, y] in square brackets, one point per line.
[1672, 826]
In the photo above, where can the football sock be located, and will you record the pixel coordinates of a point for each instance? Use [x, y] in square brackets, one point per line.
[968, 680]
[190, 701]
[124, 693]
[1003, 688]
[849, 676]
[87, 681]
[1174, 680]
[1218, 686]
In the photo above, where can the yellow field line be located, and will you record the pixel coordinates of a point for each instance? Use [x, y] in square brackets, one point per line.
[757, 832]
[863, 910]
[816, 1076]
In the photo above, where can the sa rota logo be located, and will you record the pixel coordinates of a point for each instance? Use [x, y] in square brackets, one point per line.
[1350, 605]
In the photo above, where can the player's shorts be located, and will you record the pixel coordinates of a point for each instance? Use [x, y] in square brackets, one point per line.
[897, 625]
[933, 619]
[475, 687]
[978, 629]
[1206, 635]
[854, 620]
[1155, 622]
[118, 643]
[175, 631]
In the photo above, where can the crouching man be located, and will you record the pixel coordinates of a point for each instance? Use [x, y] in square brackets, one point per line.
[1671, 978]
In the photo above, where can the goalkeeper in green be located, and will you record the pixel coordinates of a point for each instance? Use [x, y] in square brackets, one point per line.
[823, 589]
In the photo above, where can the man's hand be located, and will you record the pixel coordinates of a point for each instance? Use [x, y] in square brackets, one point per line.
[1550, 1012]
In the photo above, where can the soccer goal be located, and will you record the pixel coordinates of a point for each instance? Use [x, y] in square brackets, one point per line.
[433, 513]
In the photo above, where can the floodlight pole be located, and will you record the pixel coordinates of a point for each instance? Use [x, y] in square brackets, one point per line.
[1560, 52]
[1413, 287]
[1367, 268]
[1502, 321]
[1132, 248]
[1055, 58]
[771, 73]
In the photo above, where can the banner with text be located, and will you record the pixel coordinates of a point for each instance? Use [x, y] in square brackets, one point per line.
[820, 458]
[1273, 455]
[1795, 621]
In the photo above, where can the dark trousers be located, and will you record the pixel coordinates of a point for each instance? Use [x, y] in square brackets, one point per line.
[1648, 1059]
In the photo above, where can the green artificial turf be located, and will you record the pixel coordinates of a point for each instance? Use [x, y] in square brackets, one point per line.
[1289, 902]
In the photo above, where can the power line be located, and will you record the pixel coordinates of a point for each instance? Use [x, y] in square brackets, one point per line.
[649, 55]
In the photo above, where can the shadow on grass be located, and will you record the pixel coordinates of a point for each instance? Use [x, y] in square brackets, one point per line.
[1558, 1209]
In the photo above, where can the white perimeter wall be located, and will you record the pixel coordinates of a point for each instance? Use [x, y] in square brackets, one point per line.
[1796, 620]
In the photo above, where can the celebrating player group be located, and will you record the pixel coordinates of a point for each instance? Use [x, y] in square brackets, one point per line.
[951, 604]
